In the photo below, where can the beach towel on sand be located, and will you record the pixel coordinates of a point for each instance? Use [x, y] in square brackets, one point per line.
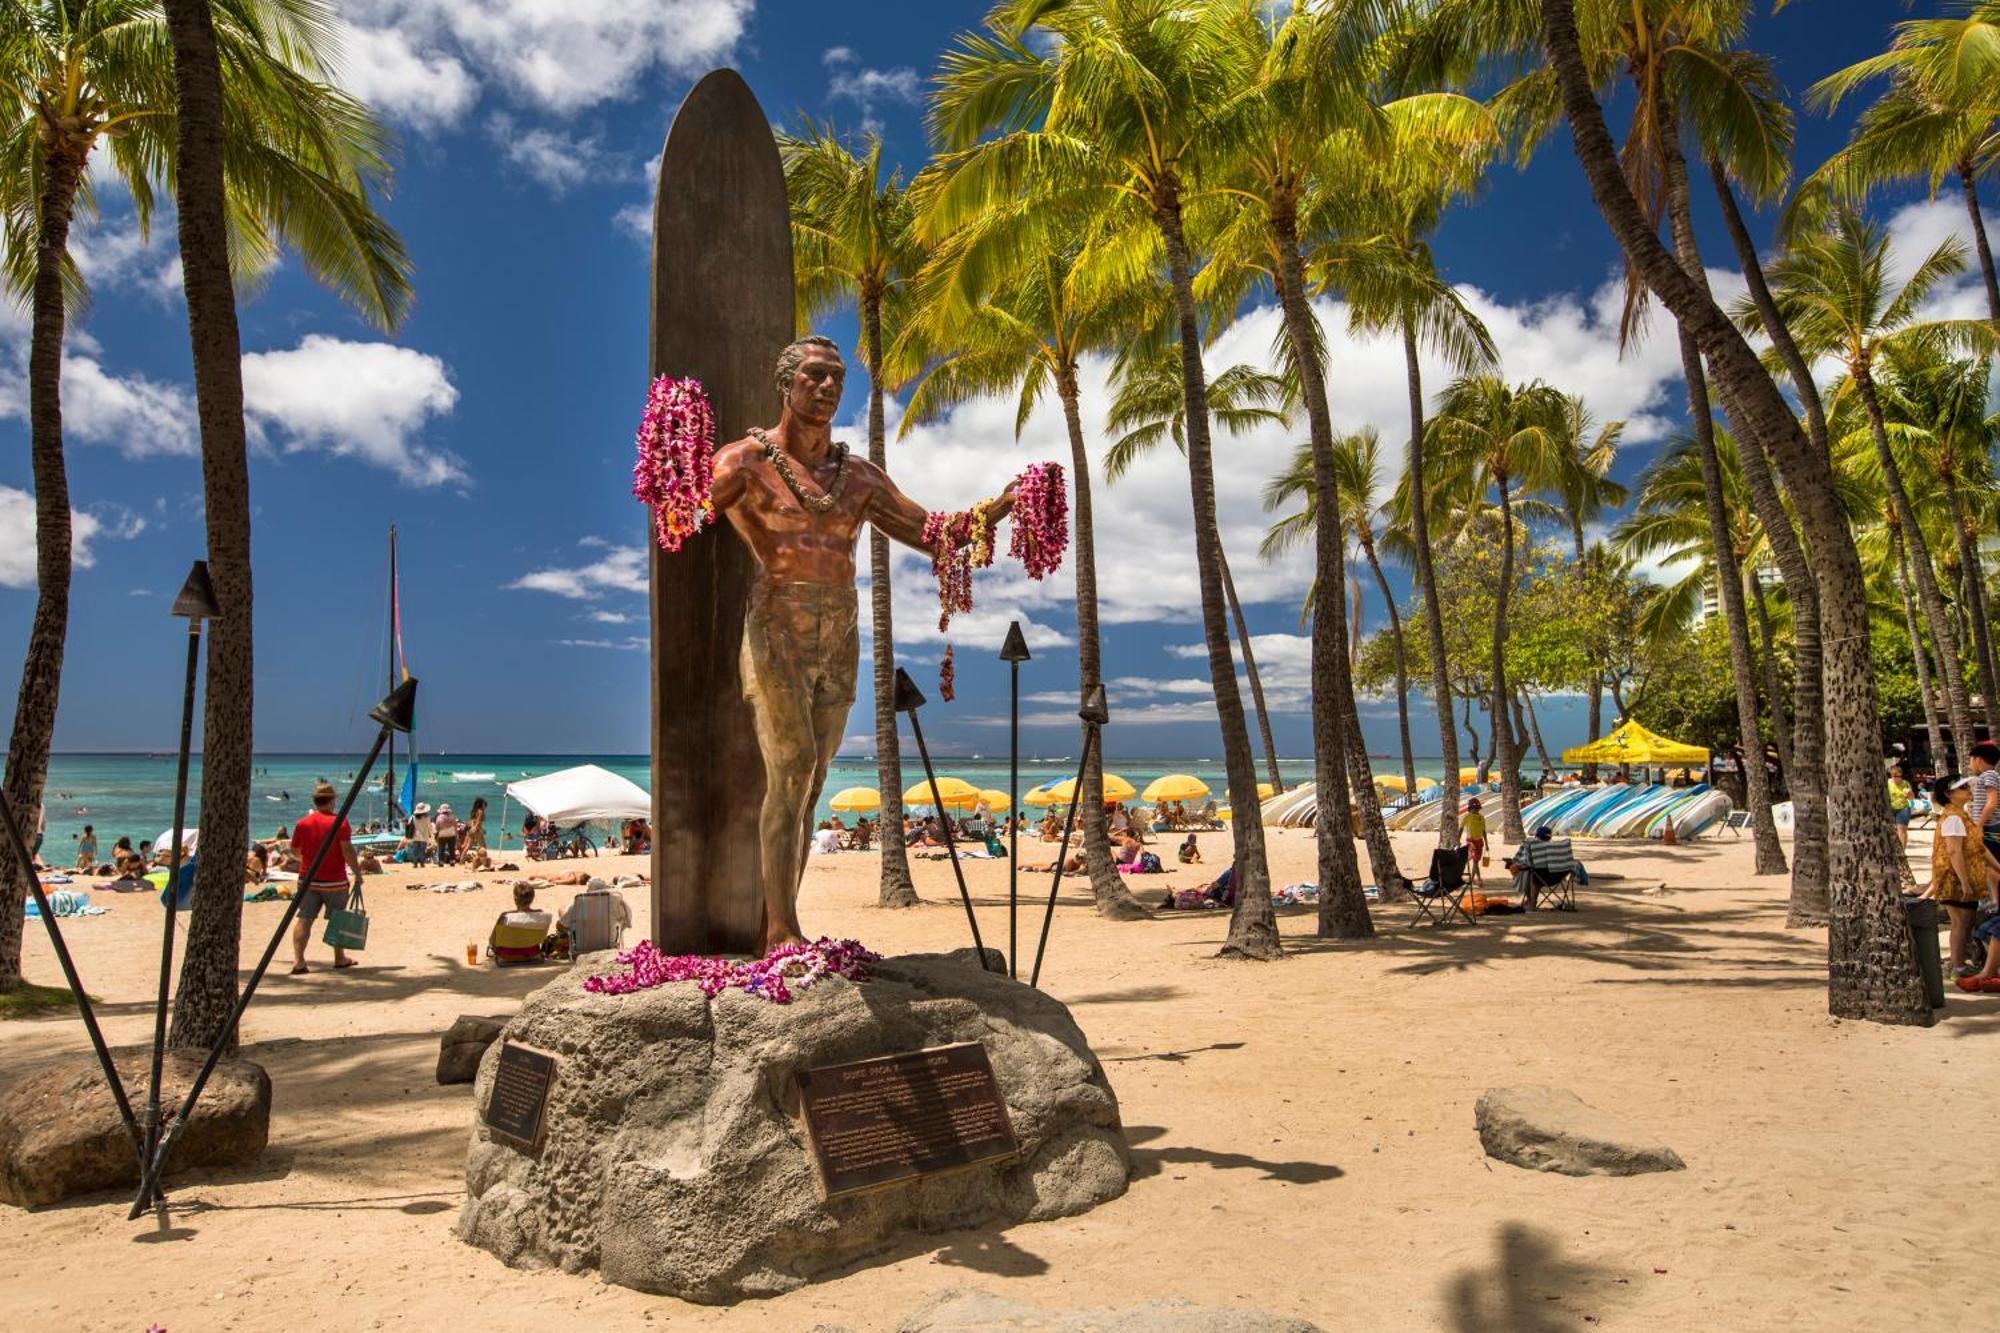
[67, 902]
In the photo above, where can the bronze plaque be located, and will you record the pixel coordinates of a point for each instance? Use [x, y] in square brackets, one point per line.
[521, 1086]
[877, 1122]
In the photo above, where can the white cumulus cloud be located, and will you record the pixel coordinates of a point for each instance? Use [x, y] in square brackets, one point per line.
[620, 569]
[405, 76]
[364, 400]
[17, 535]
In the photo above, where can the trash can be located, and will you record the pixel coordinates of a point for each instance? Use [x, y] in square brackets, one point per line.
[1923, 915]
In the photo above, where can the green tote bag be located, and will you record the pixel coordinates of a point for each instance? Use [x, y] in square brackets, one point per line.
[347, 927]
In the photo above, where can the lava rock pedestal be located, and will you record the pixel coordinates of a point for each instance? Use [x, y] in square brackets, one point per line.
[673, 1159]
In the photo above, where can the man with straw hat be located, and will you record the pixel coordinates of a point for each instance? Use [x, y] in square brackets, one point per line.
[329, 888]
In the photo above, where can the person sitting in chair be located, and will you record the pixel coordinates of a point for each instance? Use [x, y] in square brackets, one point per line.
[1529, 877]
[596, 919]
[520, 936]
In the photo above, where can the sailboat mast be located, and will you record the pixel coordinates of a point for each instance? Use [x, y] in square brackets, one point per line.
[389, 781]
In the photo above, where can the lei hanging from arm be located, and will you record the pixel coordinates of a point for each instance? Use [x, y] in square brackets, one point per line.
[962, 542]
[675, 471]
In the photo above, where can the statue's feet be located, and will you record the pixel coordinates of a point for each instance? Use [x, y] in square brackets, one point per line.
[777, 940]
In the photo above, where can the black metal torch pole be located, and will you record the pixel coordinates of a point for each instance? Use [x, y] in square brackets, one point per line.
[394, 714]
[1094, 715]
[27, 860]
[908, 700]
[1014, 652]
[197, 603]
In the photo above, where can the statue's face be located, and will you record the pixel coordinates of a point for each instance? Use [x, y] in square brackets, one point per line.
[814, 394]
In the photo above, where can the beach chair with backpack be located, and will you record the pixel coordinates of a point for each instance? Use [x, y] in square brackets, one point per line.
[1442, 896]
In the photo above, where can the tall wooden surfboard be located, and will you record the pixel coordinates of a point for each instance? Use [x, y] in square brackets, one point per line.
[722, 310]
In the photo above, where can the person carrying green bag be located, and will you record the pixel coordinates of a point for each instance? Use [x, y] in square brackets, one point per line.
[330, 891]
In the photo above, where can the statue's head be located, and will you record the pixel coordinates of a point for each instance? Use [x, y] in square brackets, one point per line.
[810, 377]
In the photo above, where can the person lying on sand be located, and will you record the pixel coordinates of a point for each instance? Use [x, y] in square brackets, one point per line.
[1073, 866]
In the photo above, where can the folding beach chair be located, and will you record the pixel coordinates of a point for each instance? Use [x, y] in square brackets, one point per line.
[1545, 872]
[1442, 896]
[1736, 821]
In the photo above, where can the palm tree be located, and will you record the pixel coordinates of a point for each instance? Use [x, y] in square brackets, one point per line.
[1872, 964]
[1834, 292]
[300, 159]
[1019, 331]
[1488, 433]
[1935, 119]
[1357, 459]
[851, 240]
[1676, 519]
[1395, 194]
[1147, 409]
[1108, 110]
[1583, 483]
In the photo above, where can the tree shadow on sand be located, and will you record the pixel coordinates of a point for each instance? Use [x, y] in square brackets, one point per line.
[1529, 1287]
[1147, 1162]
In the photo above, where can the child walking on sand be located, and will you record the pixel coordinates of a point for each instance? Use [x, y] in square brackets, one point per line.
[1472, 825]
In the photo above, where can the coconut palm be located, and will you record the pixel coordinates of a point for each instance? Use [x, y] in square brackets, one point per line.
[1872, 964]
[1149, 409]
[1395, 194]
[1583, 483]
[301, 159]
[1105, 104]
[1834, 291]
[1675, 521]
[1357, 461]
[1935, 119]
[851, 241]
[1017, 330]
[1489, 434]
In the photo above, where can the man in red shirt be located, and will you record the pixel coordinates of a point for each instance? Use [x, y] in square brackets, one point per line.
[329, 888]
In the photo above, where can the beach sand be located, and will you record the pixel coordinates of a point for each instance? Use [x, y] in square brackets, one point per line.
[1302, 1131]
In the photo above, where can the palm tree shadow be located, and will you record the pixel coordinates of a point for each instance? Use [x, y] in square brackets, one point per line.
[1529, 1287]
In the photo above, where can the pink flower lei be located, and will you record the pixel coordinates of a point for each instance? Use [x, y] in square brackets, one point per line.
[1041, 519]
[779, 976]
[675, 471]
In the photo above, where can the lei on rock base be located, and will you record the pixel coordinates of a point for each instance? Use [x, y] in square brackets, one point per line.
[675, 471]
[962, 542]
[778, 976]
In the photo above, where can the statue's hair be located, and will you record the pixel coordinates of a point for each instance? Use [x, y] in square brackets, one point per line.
[795, 353]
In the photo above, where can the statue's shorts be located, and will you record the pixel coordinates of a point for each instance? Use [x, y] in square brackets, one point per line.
[800, 649]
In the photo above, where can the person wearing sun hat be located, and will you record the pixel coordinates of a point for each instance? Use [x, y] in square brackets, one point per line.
[329, 888]
[423, 833]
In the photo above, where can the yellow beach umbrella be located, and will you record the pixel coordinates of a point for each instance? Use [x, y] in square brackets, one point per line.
[1225, 814]
[1115, 789]
[1394, 782]
[995, 800]
[1038, 797]
[1468, 775]
[1265, 791]
[957, 794]
[1176, 787]
[857, 800]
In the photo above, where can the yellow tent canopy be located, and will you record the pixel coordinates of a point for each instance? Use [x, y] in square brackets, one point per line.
[1632, 743]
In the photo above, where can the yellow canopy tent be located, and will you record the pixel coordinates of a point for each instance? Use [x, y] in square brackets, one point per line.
[1632, 743]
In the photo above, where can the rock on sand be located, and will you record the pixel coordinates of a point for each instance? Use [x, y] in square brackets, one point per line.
[1552, 1129]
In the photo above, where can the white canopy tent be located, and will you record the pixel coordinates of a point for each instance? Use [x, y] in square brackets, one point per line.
[582, 794]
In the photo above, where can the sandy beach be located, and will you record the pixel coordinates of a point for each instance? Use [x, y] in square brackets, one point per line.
[1302, 1131]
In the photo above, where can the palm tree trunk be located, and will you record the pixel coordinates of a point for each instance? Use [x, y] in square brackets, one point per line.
[1333, 674]
[1275, 778]
[1810, 901]
[1930, 597]
[1767, 651]
[1472, 733]
[1967, 536]
[1770, 855]
[1872, 969]
[1253, 928]
[207, 993]
[1535, 730]
[1433, 612]
[895, 889]
[1343, 906]
[1979, 240]
[41, 671]
[1107, 886]
[1934, 729]
[1402, 667]
[1595, 725]
[1505, 752]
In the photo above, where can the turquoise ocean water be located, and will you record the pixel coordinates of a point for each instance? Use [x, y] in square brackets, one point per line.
[132, 795]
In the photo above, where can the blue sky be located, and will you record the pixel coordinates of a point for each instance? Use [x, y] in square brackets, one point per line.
[495, 426]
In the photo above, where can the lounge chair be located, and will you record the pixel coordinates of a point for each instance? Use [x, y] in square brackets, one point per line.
[1546, 870]
[1442, 896]
[512, 945]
